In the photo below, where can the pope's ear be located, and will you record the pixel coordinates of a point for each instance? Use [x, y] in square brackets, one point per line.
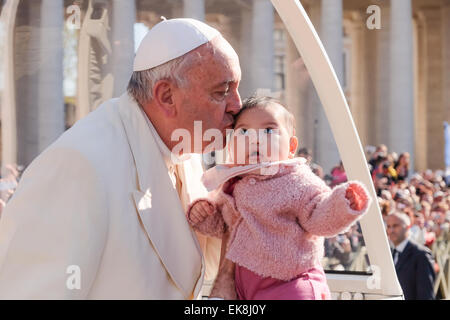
[163, 97]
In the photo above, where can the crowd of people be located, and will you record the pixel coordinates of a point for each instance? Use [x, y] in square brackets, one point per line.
[423, 196]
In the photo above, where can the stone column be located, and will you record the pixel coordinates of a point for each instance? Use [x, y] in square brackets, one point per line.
[433, 90]
[194, 9]
[420, 92]
[262, 45]
[370, 81]
[50, 100]
[401, 111]
[446, 56]
[296, 95]
[312, 99]
[123, 19]
[27, 50]
[245, 87]
[383, 79]
[332, 39]
[176, 8]
[359, 85]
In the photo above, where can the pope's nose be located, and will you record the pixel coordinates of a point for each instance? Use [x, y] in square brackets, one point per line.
[234, 103]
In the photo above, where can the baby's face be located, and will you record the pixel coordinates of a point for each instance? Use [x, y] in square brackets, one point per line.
[261, 135]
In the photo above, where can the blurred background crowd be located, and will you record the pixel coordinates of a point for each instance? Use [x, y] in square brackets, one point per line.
[423, 196]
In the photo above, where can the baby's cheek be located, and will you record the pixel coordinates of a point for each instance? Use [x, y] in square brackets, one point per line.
[269, 147]
[285, 147]
[277, 148]
[239, 150]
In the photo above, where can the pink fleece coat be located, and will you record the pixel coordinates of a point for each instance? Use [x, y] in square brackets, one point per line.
[278, 222]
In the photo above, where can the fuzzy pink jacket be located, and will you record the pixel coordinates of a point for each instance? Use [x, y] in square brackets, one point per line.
[278, 222]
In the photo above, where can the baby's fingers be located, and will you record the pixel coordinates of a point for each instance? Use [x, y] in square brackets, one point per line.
[349, 194]
[200, 211]
[208, 209]
[195, 215]
[357, 197]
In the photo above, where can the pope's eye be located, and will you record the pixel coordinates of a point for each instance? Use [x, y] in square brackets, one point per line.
[268, 130]
[221, 94]
[242, 131]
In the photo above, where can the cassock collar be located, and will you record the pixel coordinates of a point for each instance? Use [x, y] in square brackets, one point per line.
[170, 158]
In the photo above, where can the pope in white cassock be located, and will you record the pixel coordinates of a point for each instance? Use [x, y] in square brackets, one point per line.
[100, 214]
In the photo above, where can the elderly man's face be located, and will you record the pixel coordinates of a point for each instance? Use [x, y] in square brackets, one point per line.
[212, 95]
[396, 229]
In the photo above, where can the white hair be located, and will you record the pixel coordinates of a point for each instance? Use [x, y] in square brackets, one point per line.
[403, 217]
[140, 86]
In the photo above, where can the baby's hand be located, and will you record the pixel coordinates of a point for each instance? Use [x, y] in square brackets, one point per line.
[201, 210]
[357, 197]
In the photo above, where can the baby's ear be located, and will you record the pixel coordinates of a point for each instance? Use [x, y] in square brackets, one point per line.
[293, 144]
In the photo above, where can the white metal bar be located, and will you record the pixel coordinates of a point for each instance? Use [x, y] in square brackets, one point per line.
[8, 110]
[338, 114]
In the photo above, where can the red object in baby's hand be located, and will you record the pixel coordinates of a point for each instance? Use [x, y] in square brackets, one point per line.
[357, 197]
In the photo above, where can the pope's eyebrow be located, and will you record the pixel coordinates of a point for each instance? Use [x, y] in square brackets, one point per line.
[228, 82]
[225, 83]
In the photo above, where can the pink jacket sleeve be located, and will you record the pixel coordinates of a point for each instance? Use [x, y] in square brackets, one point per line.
[326, 212]
[214, 225]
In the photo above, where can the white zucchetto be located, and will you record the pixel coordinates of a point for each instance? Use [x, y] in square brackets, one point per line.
[170, 39]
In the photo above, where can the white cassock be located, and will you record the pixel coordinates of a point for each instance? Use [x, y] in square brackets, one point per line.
[99, 204]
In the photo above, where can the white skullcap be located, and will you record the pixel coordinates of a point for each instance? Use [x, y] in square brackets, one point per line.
[171, 39]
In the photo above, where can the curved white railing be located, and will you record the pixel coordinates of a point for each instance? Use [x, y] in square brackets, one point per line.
[349, 145]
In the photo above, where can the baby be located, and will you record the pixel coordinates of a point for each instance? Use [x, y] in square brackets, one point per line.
[277, 211]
